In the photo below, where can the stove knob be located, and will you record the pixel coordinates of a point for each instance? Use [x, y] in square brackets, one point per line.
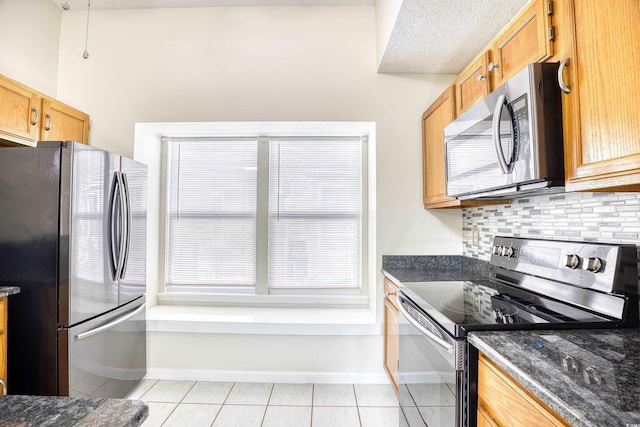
[593, 264]
[508, 319]
[571, 261]
[497, 250]
[591, 375]
[499, 315]
[507, 251]
[569, 364]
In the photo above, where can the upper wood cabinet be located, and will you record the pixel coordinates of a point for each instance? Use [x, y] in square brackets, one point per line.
[19, 112]
[528, 38]
[502, 401]
[27, 116]
[391, 334]
[601, 111]
[473, 83]
[63, 123]
[434, 120]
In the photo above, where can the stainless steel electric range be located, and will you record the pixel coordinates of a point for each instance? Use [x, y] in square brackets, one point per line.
[538, 284]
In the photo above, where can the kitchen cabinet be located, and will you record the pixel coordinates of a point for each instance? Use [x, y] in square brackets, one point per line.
[63, 123]
[438, 115]
[600, 103]
[19, 112]
[473, 83]
[27, 116]
[528, 38]
[391, 333]
[3, 340]
[502, 401]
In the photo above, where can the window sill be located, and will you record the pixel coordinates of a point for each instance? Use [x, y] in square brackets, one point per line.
[261, 320]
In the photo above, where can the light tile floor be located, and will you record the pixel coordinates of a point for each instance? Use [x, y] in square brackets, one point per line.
[223, 404]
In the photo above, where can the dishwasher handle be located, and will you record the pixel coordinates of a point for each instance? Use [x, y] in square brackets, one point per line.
[447, 346]
[110, 325]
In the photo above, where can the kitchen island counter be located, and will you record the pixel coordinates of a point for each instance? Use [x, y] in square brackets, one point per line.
[589, 377]
[27, 411]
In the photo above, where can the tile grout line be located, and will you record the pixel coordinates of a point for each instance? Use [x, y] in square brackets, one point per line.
[264, 414]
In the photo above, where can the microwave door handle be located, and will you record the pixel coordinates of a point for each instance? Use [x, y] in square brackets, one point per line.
[497, 143]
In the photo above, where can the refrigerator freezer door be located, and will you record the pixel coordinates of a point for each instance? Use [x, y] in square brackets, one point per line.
[29, 186]
[133, 279]
[106, 356]
[88, 285]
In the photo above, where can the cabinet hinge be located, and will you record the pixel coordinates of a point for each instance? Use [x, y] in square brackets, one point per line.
[549, 8]
[551, 34]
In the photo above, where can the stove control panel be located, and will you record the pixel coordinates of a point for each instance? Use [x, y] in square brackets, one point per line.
[608, 268]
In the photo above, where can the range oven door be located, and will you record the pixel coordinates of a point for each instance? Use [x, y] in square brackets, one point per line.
[431, 371]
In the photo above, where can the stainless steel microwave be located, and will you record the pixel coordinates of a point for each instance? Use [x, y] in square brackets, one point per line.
[510, 143]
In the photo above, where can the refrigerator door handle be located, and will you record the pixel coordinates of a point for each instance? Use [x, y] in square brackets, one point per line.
[109, 325]
[127, 228]
[123, 226]
[113, 229]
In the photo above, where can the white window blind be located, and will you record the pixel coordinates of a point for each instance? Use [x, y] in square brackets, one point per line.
[211, 209]
[315, 213]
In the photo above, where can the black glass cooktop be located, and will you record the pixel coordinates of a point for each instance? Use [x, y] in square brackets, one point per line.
[462, 306]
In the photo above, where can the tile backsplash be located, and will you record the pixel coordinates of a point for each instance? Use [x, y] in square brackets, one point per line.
[598, 217]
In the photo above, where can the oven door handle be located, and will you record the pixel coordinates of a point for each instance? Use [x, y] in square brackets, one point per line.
[450, 348]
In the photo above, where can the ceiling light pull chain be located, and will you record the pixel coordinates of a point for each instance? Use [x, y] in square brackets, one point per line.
[85, 55]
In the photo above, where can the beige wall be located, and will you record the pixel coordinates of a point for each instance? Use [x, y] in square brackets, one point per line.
[252, 64]
[29, 37]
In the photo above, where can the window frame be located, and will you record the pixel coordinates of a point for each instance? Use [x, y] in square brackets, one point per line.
[262, 292]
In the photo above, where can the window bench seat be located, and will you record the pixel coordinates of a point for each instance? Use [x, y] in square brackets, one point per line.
[261, 320]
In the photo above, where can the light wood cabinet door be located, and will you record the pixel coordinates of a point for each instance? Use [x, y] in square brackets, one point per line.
[3, 339]
[391, 333]
[19, 112]
[391, 342]
[63, 123]
[601, 113]
[526, 40]
[472, 84]
[434, 120]
[504, 402]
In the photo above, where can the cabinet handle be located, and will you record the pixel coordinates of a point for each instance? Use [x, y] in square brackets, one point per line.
[48, 122]
[492, 66]
[563, 86]
[481, 77]
[3, 387]
[35, 120]
[390, 294]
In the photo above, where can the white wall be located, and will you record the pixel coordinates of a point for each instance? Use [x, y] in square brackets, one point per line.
[29, 37]
[386, 15]
[261, 64]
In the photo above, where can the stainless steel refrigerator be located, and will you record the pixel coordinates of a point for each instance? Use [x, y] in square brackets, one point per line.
[73, 238]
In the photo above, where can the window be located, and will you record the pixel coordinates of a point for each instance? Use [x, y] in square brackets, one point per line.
[264, 214]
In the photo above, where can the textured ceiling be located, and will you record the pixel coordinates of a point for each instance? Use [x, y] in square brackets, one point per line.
[429, 36]
[442, 36]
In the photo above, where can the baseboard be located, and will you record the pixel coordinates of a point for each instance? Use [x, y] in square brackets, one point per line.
[268, 376]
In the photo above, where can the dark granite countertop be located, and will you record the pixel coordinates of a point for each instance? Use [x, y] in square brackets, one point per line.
[32, 411]
[8, 290]
[434, 268]
[535, 359]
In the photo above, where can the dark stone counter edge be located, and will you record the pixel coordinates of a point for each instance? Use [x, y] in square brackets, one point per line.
[525, 380]
[427, 268]
[72, 411]
[8, 290]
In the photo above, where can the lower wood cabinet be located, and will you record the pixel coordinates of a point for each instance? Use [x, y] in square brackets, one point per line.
[502, 401]
[27, 116]
[391, 333]
[3, 340]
